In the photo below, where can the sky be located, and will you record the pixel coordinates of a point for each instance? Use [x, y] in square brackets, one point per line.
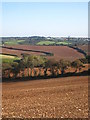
[45, 19]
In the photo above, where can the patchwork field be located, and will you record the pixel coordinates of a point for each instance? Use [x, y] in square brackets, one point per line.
[64, 97]
[58, 51]
[53, 98]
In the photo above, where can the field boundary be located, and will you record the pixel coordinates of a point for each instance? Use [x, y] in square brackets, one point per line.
[78, 50]
[8, 54]
[70, 74]
[46, 53]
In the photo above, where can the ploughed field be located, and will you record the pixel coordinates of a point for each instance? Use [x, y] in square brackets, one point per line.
[60, 52]
[86, 48]
[58, 97]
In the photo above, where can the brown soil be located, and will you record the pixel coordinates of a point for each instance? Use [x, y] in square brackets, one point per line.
[52, 98]
[86, 48]
[18, 52]
[59, 51]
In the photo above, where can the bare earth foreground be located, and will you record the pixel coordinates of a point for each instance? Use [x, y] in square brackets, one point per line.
[58, 97]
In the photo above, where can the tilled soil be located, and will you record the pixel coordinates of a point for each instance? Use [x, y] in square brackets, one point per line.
[52, 98]
[60, 52]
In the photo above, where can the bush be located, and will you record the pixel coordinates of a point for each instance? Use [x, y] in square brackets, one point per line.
[77, 64]
[88, 58]
[84, 60]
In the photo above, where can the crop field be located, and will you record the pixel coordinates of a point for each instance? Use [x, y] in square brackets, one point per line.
[8, 58]
[61, 97]
[13, 42]
[44, 61]
[18, 52]
[63, 43]
[52, 42]
[60, 52]
[45, 43]
[51, 98]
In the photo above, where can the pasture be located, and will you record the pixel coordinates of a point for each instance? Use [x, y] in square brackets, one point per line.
[8, 58]
[45, 43]
[63, 43]
[53, 42]
[13, 42]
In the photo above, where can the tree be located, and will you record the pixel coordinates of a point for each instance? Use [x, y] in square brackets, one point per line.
[6, 67]
[63, 65]
[88, 58]
[52, 64]
[84, 60]
[15, 69]
[36, 61]
[30, 63]
[40, 63]
[22, 65]
[77, 64]
[46, 66]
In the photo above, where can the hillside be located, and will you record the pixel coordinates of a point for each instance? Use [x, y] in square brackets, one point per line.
[53, 98]
[59, 52]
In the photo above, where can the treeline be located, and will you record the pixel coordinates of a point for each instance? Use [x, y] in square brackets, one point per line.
[30, 63]
[33, 40]
[79, 50]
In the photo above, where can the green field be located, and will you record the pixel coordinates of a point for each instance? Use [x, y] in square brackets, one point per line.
[52, 42]
[14, 42]
[63, 43]
[45, 43]
[8, 58]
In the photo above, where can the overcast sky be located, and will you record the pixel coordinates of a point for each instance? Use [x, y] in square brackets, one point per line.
[45, 19]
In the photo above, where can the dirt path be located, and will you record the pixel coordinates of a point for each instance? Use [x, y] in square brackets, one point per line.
[58, 98]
